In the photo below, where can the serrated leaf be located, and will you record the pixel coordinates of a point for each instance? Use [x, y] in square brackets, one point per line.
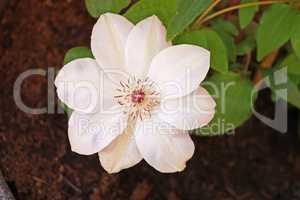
[163, 9]
[208, 39]
[295, 39]
[98, 7]
[187, 12]
[233, 96]
[246, 15]
[292, 62]
[275, 29]
[77, 52]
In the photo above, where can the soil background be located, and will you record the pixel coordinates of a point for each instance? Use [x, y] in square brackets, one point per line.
[35, 157]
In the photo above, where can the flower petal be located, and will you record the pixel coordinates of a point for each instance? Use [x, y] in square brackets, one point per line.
[90, 133]
[83, 86]
[145, 40]
[190, 112]
[178, 70]
[164, 147]
[77, 84]
[122, 153]
[108, 40]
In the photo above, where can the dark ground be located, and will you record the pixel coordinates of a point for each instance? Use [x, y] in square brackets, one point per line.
[35, 156]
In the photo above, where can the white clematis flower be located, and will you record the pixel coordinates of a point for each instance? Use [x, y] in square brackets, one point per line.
[138, 98]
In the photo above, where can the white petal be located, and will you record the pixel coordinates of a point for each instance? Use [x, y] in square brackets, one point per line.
[145, 40]
[122, 153]
[178, 70]
[164, 147]
[77, 84]
[83, 86]
[108, 40]
[190, 112]
[90, 133]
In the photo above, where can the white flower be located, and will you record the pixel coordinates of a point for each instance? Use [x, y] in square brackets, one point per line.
[138, 98]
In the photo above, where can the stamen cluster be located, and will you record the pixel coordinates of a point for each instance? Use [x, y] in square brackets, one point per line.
[138, 97]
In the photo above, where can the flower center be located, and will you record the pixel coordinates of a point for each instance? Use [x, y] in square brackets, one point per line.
[138, 97]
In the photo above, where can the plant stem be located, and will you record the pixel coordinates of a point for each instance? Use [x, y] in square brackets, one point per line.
[236, 7]
[205, 13]
[247, 63]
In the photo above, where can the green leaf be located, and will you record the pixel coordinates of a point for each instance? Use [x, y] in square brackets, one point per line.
[226, 26]
[275, 29]
[77, 52]
[187, 12]
[292, 62]
[237, 67]
[291, 85]
[293, 96]
[195, 37]
[233, 96]
[246, 15]
[208, 39]
[73, 54]
[66, 109]
[230, 45]
[246, 45]
[98, 7]
[295, 39]
[163, 9]
[227, 30]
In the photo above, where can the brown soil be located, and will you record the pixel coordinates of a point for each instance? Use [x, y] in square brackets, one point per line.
[35, 157]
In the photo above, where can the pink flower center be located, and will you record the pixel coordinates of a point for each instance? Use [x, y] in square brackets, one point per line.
[138, 96]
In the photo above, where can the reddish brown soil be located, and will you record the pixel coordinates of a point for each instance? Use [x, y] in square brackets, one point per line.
[35, 156]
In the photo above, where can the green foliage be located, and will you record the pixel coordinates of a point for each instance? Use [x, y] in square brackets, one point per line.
[295, 39]
[77, 52]
[163, 9]
[246, 15]
[225, 26]
[65, 108]
[293, 96]
[230, 46]
[227, 31]
[187, 11]
[292, 62]
[275, 28]
[234, 93]
[246, 45]
[234, 98]
[98, 7]
[208, 39]
[291, 84]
